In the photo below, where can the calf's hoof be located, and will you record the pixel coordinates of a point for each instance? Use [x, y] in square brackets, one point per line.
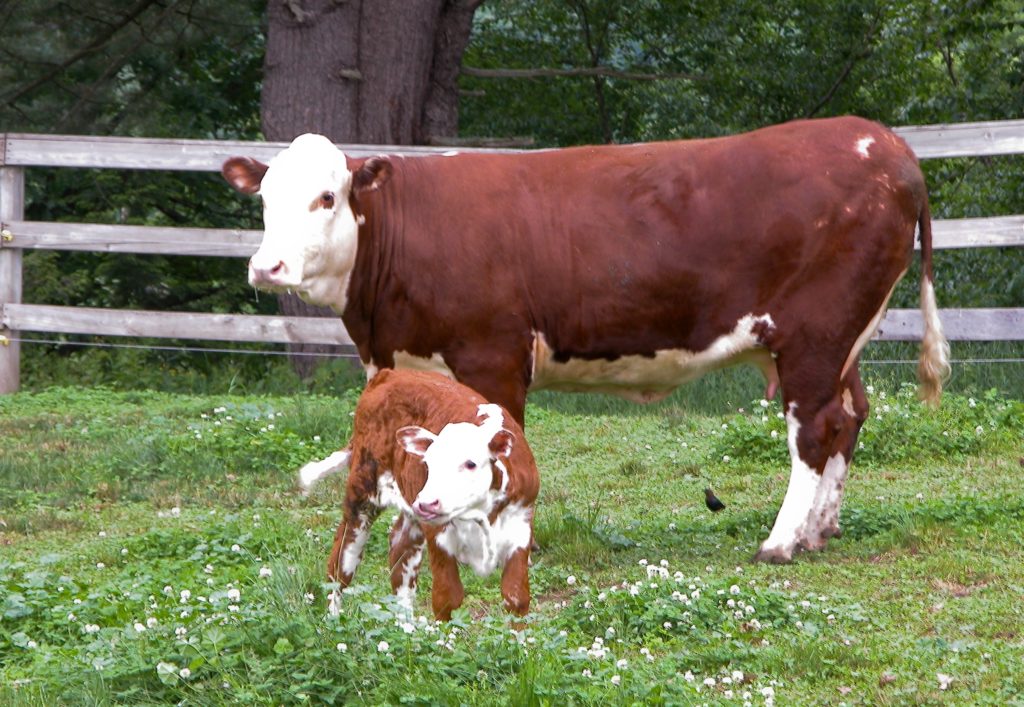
[774, 556]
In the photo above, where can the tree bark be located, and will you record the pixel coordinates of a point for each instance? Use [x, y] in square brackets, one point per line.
[361, 71]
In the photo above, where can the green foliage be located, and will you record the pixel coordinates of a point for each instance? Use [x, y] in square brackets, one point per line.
[155, 551]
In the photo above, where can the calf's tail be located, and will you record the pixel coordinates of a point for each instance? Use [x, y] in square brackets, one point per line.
[314, 471]
[933, 364]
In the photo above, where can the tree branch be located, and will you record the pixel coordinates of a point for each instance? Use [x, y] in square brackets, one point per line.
[92, 47]
[589, 71]
[864, 53]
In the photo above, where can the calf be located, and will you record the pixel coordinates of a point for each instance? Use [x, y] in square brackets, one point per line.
[459, 470]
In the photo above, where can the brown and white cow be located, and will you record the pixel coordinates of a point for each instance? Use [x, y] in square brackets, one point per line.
[459, 471]
[626, 269]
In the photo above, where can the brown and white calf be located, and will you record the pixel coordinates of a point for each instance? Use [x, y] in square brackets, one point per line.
[459, 471]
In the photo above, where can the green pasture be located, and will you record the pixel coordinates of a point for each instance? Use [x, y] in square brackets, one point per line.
[154, 550]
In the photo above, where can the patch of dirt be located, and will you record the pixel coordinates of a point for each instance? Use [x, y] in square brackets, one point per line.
[956, 589]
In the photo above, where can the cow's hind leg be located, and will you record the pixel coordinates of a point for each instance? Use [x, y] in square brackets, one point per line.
[404, 558]
[823, 418]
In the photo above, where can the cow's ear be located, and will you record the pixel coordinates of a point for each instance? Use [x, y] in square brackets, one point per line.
[415, 440]
[371, 174]
[244, 173]
[501, 443]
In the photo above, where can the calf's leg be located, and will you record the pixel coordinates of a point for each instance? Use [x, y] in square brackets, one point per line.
[448, 592]
[404, 558]
[515, 582]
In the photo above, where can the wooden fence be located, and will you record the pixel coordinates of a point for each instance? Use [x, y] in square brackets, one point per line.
[18, 151]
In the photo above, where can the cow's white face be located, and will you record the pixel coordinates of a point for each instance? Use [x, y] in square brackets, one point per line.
[464, 461]
[310, 232]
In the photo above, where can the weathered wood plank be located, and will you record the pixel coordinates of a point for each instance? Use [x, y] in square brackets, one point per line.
[164, 154]
[1000, 137]
[958, 324]
[175, 325]
[12, 207]
[977, 232]
[106, 238]
[951, 233]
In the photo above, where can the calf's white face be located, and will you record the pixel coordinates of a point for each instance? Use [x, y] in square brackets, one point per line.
[462, 463]
[310, 232]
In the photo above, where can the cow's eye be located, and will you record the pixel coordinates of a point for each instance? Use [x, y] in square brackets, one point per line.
[327, 200]
[470, 465]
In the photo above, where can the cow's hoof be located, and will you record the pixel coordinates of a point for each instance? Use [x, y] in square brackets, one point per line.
[774, 556]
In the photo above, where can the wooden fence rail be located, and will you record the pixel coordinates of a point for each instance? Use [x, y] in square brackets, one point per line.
[19, 151]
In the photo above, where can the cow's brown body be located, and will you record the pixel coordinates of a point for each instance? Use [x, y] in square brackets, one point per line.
[631, 269]
[397, 399]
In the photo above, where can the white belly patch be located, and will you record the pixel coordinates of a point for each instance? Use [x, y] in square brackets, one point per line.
[647, 379]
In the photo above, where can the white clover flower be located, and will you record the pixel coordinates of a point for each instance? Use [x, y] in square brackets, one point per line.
[309, 597]
[316, 438]
[587, 674]
[768, 691]
[175, 512]
[710, 682]
[180, 632]
[408, 627]
[91, 628]
[978, 430]
[737, 675]
[100, 565]
[764, 403]
[609, 632]
[265, 572]
[185, 595]
[621, 663]
[734, 589]
[570, 580]
[616, 679]
[971, 402]
[72, 617]
[236, 548]
[383, 647]
[151, 622]
[233, 608]
[944, 680]
[726, 458]
[139, 628]
[342, 647]
[185, 673]
[234, 594]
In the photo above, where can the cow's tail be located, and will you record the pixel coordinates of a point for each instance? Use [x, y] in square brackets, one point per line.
[314, 471]
[933, 365]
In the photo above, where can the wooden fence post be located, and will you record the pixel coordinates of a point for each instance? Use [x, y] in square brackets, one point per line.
[12, 208]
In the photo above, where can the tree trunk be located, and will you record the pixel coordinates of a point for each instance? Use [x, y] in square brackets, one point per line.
[361, 71]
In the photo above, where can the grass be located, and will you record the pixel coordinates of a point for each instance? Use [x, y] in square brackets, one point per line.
[154, 550]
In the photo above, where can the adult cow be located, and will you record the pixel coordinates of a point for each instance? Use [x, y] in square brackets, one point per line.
[624, 269]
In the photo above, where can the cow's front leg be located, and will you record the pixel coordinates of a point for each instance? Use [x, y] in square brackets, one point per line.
[404, 558]
[448, 593]
[499, 373]
[347, 552]
[515, 582]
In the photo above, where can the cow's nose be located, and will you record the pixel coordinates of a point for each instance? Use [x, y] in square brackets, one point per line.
[263, 275]
[428, 509]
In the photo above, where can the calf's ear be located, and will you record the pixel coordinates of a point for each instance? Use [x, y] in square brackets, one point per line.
[244, 173]
[415, 440]
[372, 174]
[501, 443]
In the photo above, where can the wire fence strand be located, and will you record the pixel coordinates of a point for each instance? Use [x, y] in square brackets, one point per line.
[331, 354]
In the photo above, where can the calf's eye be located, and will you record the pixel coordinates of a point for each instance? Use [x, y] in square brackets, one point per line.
[327, 200]
[470, 465]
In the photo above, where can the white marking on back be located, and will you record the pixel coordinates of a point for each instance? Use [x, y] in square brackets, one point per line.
[450, 153]
[651, 378]
[863, 144]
